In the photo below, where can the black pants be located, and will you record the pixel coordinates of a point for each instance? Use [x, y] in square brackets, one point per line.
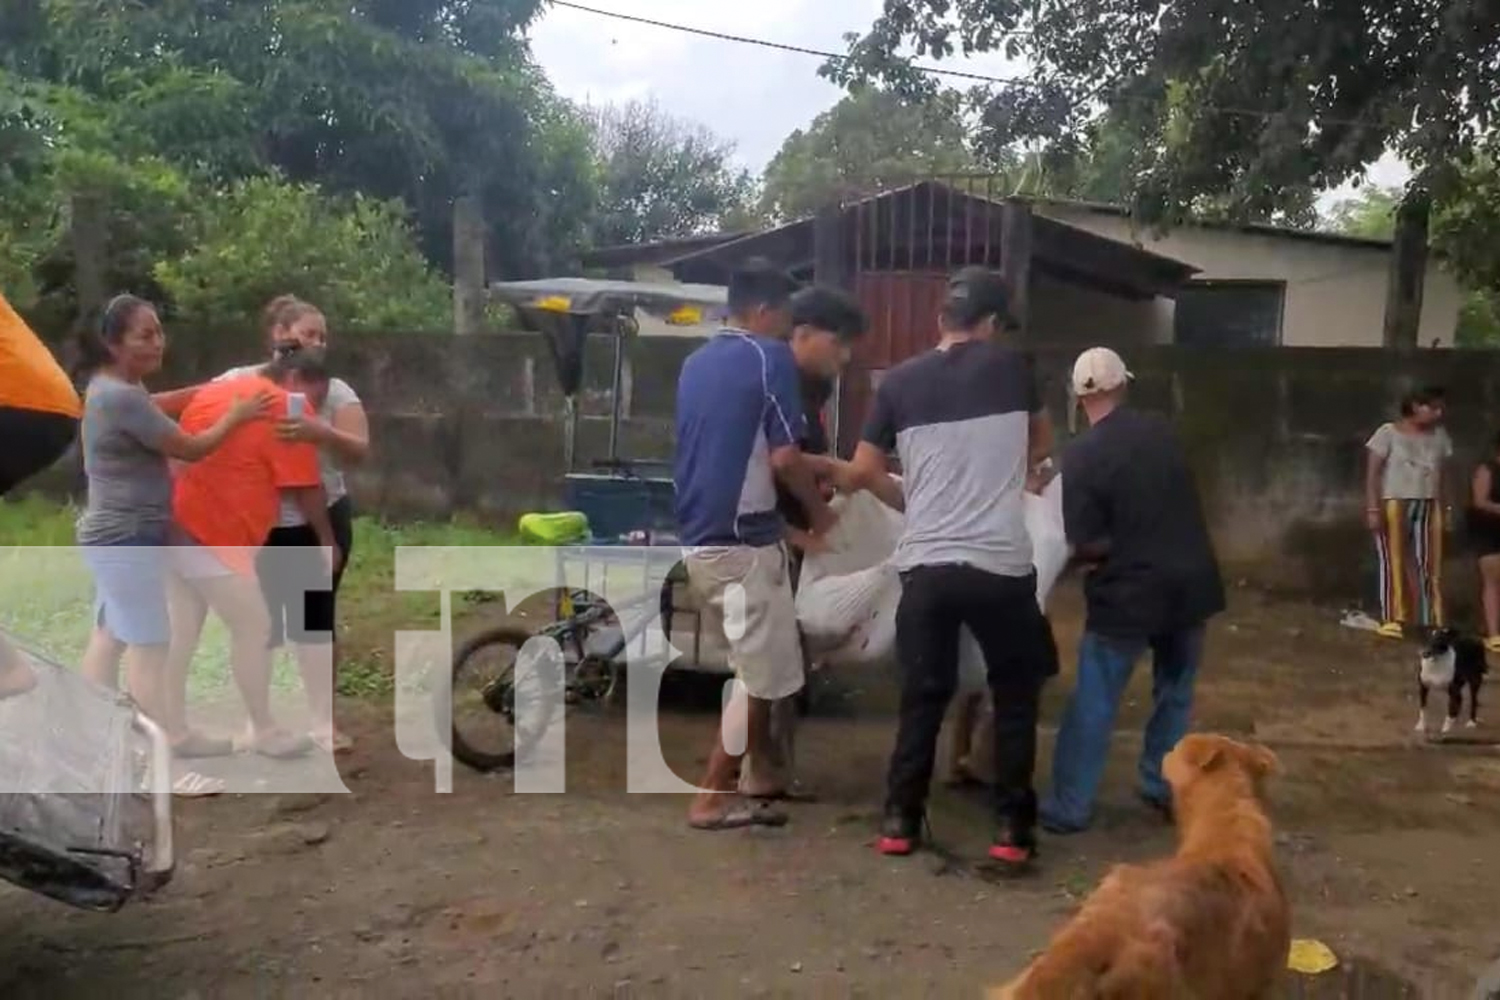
[1019, 655]
[32, 442]
[294, 579]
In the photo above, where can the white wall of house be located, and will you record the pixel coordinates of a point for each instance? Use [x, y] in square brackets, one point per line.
[1064, 313]
[1335, 293]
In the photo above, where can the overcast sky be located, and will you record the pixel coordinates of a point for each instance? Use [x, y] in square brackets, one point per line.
[751, 95]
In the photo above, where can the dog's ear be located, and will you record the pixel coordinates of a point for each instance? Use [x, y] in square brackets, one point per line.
[1203, 754]
[1261, 761]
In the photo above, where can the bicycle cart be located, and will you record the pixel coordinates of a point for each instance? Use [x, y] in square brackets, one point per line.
[628, 506]
[86, 807]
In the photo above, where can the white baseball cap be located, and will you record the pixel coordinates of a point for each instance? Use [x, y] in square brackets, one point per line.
[1097, 370]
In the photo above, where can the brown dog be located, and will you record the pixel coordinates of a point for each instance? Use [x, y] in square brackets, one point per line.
[1210, 923]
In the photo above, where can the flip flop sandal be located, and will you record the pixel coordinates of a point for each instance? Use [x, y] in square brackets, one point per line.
[743, 816]
[283, 747]
[192, 785]
[200, 747]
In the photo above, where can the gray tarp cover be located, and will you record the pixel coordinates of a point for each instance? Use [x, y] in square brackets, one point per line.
[593, 296]
[589, 299]
[72, 824]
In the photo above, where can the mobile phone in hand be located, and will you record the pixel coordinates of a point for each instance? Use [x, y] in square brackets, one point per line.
[296, 405]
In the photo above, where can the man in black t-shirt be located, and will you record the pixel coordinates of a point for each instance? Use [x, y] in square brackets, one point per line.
[1133, 516]
[825, 325]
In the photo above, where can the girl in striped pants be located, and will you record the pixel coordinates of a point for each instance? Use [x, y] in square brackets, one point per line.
[1404, 510]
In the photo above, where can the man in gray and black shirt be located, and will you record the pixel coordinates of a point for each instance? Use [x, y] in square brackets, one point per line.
[967, 423]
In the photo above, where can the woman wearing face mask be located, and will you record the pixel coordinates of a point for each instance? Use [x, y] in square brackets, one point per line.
[339, 427]
[126, 442]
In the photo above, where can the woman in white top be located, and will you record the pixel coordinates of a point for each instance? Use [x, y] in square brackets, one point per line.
[1404, 510]
[294, 576]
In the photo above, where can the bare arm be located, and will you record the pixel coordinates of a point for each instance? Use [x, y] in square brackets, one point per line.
[349, 435]
[796, 474]
[1039, 438]
[868, 471]
[312, 502]
[1482, 485]
[1374, 471]
[193, 447]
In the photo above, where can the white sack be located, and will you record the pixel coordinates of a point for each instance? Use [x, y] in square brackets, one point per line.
[1049, 552]
[847, 596]
[847, 599]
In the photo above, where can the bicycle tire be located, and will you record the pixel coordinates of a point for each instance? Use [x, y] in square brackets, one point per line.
[525, 738]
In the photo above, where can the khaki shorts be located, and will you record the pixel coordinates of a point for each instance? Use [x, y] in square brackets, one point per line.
[746, 591]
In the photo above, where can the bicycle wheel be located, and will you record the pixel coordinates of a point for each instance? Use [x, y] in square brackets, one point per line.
[493, 711]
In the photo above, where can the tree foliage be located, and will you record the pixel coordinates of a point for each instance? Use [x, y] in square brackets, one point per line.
[660, 177]
[1239, 107]
[871, 140]
[263, 238]
[421, 100]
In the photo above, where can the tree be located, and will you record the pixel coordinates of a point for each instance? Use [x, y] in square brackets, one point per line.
[869, 141]
[1371, 213]
[1247, 104]
[660, 177]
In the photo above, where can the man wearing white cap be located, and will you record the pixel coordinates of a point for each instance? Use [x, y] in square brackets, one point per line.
[1133, 517]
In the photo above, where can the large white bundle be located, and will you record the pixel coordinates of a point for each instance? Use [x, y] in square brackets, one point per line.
[847, 597]
[846, 604]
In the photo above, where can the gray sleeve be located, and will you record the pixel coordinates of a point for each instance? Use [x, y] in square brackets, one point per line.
[132, 411]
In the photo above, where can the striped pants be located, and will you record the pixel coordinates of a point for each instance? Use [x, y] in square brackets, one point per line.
[1410, 550]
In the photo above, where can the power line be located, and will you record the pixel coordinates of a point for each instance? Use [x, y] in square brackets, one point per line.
[929, 70]
[782, 46]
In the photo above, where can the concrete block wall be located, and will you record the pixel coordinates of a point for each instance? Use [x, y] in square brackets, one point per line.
[476, 425]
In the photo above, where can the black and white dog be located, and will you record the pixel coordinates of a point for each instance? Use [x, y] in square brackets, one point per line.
[1454, 661]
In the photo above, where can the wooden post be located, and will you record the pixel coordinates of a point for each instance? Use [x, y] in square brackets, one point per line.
[89, 234]
[831, 268]
[1408, 272]
[469, 289]
[830, 263]
[1015, 261]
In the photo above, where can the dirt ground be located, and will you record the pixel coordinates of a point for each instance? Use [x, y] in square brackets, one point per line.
[1389, 848]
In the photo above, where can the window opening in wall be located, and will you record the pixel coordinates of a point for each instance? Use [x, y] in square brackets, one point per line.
[1230, 313]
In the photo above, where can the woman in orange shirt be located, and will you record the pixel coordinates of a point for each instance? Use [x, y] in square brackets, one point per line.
[39, 412]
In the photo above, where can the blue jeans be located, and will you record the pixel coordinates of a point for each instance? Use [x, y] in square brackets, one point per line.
[1104, 669]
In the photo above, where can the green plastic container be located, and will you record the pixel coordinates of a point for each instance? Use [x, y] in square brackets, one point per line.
[566, 527]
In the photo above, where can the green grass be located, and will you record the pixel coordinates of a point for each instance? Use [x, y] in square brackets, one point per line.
[46, 596]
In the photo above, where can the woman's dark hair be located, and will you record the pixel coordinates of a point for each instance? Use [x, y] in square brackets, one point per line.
[1428, 395]
[107, 330]
[308, 363]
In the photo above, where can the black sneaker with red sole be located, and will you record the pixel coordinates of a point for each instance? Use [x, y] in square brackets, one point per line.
[901, 832]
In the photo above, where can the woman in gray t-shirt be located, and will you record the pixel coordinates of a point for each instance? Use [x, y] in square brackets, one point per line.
[126, 442]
